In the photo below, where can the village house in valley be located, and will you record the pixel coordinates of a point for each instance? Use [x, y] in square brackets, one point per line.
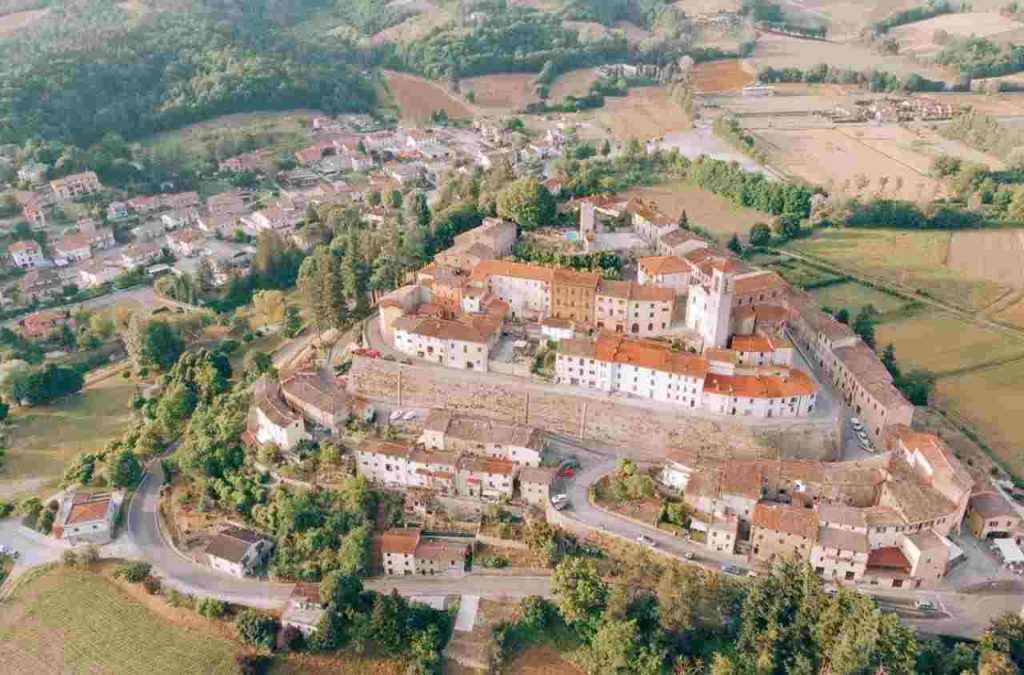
[409, 552]
[88, 517]
[238, 551]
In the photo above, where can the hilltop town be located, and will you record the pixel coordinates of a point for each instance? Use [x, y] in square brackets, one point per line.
[619, 338]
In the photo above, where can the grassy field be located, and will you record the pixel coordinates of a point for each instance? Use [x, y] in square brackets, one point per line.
[69, 621]
[502, 93]
[916, 259]
[853, 296]
[44, 438]
[645, 113]
[941, 342]
[990, 402]
[705, 209]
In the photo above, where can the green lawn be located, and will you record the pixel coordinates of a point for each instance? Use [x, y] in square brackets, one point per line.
[42, 439]
[853, 296]
[69, 621]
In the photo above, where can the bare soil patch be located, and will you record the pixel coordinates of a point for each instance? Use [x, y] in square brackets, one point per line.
[414, 27]
[10, 24]
[573, 83]
[894, 161]
[646, 113]
[418, 98]
[543, 660]
[717, 77]
[510, 91]
[990, 255]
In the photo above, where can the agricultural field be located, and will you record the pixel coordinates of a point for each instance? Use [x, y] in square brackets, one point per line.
[845, 18]
[418, 99]
[780, 51]
[918, 38]
[70, 621]
[942, 342]
[705, 209]
[572, 83]
[13, 23]
[646, 113]
[915, 259]
[414, 27]
[990, 402]
[853, 295]
[839, 158]
[993, 255]
[719, 77]
[44, 438]
[501, 93]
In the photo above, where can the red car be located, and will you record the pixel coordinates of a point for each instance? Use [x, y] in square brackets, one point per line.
[567, 472]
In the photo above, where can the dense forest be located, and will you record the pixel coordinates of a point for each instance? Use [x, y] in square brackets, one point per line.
[91, 67]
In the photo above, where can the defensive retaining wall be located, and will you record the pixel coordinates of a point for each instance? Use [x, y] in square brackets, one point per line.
[622, 423]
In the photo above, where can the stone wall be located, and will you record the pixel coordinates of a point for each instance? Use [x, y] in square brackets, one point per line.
[628, 424]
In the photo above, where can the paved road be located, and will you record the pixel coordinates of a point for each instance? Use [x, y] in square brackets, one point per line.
[144, 540]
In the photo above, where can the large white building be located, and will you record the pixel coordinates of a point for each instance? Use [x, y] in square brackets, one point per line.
[26, 254]
[445, 430]
[464, 343]
[652, 370]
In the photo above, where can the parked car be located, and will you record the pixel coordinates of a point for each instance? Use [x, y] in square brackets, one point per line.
[689, 555]
[752, 574]
[560, 506]
[733, 570]
[560, 501]
[925, 605]
[646, 541]
[411, 415]
[566, 472]
[856, 424]
[395, 415]
[831, 591]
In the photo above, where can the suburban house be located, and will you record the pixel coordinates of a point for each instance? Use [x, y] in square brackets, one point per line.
[88, 518]
[98, 271]
[275, 422]
[186, 243]
[991, 516]
[43, 322]
[410, 552]
[26, 254]
[76, 185]
[304, 610]
[72, 248]
[321, 401]
[238, 551]
[535, 485]
[140, 255]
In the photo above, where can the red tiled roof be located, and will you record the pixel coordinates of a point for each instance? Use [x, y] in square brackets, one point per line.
[400, 541]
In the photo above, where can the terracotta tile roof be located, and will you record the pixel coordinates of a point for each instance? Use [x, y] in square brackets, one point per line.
[400, 541]
[269, 402]
[475, 464]
[772, 313]
[444, 329]
[888, 557]
[505, 268]
[794, 383]
[883, 516]
[788, 519]
[991, 505]
[88, 511]
[721, 355]
[863, 363]
[574, 278]
[379, 446]
[537, 475]
[752, 343]
[820, 322]
[434, 549]
[434, 457]
[74, 242]
[23, 246]
[842, 515]
[757, 282]
[664, 264]
[315, 390]
[938, 455]
[630, 290]
[680, 236]
[844, 540]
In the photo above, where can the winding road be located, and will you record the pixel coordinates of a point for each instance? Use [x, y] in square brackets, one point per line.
[959, 612]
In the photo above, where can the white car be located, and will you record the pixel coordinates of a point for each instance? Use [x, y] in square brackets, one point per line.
[395, 415]
[925, 605]
[856, 424]
[411, 415]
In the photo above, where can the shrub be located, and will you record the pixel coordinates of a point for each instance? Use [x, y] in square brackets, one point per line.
[45, 523]
[88, 556]
[69, 558]
[252, 664]
[495, 562]
[151, 584]
[135, 571]
[256, 628]
[211, 608]
[6, 509]
[291, 639]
